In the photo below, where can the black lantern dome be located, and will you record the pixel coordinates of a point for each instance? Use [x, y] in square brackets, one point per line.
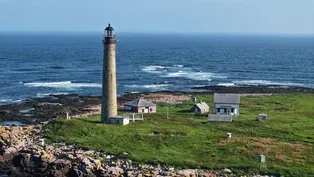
[109, 31]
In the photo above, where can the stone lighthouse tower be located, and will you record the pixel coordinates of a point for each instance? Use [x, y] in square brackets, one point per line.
[109, 83]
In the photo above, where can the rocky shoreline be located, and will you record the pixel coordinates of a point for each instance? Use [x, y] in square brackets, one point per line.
[258, 89]
[21, 155]
[43, 109]
[36, 110]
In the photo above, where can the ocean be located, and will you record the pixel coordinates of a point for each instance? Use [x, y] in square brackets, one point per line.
[39, 64]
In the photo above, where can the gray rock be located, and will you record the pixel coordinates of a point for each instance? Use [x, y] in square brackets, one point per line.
[115, 170]
[188, 172]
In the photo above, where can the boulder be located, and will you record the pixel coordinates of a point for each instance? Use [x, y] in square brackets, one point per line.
[70, 156]
[10, 150]
[2, 129]
[115, 171]
[97, 164]
[187, 173]
[87, 162]
[226, 170]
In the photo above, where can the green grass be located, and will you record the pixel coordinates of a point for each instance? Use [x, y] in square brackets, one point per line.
[188, 141]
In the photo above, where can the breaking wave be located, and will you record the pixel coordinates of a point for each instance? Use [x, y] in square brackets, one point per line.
[66, 84]
[148, 86]
[179, 71]
[260, 82]
[179, 66]
[154, 69]
[40, 95]
[7, 101]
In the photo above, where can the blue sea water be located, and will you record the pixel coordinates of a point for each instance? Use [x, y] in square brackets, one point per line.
[39, 64]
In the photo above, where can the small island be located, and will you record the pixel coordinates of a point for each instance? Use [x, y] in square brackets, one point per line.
[165, 145]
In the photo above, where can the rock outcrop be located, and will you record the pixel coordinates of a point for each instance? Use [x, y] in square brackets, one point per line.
[22, 155]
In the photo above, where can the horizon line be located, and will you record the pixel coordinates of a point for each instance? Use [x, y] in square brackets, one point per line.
[161, 32]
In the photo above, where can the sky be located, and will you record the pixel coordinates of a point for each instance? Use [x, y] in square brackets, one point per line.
[159, 16]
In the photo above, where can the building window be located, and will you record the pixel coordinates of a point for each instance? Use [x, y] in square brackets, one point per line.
[150, 109]
[143, 110]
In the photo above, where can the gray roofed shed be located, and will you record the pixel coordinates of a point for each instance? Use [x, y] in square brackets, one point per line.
[202, 105]
[200, 108]
[140, 103]
[226, 98]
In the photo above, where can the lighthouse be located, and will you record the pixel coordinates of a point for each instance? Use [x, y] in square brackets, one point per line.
[109, 82]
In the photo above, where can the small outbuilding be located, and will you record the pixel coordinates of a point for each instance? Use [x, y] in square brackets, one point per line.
[120, 120]
[140, 106]
[200, 108]
[227, 104]
[261, 117]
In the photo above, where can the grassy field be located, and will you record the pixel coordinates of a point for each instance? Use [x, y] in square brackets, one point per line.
[188, 141]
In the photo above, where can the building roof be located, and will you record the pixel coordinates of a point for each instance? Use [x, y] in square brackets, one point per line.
[139, 103]
[226, 98]
[202, 105]
[222, 106]
[119, 117]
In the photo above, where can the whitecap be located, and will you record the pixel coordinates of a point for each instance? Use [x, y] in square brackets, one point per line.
[154, 69]
[179, 66]
[176, 74]
[226, 84]
[199, 76]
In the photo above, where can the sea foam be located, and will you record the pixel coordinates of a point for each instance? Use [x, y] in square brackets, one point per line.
[148, 86]
[66, 84]
[198, 76]
[261, 82]
[179, 71]
[154, 69]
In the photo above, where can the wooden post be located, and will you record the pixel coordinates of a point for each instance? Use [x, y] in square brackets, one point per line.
[41, 141]
[167, 109]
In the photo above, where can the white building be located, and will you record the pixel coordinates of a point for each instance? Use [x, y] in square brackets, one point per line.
[227, 104]
[120, 120]
[140, 106]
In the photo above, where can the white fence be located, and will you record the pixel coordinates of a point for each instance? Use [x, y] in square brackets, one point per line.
[134, 116]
